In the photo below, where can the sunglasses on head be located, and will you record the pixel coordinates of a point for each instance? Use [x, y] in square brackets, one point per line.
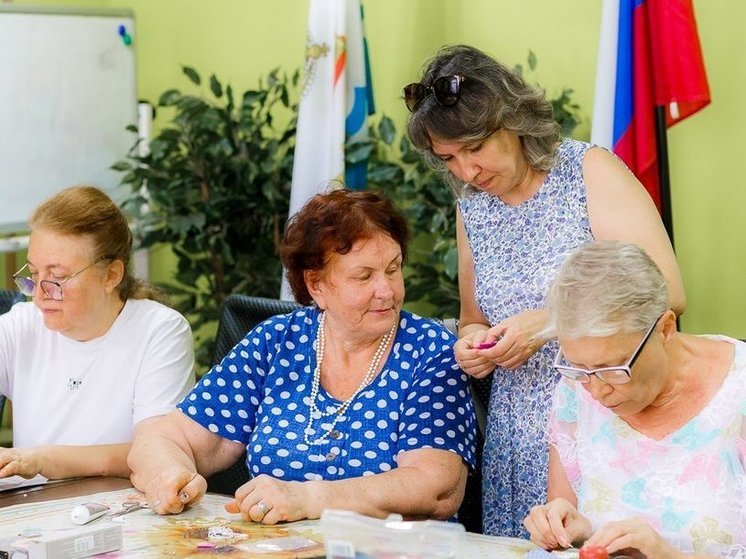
[445, 89]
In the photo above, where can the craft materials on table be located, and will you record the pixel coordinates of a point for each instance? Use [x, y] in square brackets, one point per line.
[201, 530]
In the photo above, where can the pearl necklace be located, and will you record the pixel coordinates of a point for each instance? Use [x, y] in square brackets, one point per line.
[313, 411]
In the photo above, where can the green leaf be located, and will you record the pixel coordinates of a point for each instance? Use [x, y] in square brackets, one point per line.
[192, 74]
[169, 97]
[450, 263]
[121, 166]
[532, 60]
[387, 130]
[357, 152]
[216, 87]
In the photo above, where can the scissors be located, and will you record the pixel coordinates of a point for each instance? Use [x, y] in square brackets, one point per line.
[128, 507]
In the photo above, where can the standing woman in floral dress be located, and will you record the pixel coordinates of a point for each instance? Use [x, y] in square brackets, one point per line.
[526, 198]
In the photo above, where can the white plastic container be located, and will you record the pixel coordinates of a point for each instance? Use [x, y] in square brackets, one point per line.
[348, 535]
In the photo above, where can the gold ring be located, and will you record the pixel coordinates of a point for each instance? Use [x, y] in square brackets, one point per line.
[264, 507]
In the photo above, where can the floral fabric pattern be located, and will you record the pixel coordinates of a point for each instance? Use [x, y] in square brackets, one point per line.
[517, 251]
[690, 486]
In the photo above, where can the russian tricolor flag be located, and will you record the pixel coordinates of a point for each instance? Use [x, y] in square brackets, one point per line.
[649, 55]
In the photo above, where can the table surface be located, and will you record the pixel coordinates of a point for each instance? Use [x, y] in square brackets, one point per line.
[46, 509]
[62, 489]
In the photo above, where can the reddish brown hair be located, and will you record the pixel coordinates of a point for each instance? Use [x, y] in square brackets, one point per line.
[333, 222]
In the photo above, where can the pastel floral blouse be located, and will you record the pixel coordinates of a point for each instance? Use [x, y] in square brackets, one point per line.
[689, 486]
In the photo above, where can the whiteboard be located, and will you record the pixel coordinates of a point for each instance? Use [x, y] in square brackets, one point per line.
[67, 94]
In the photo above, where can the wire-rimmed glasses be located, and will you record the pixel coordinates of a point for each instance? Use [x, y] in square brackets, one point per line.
[51, 288]
[620, 374]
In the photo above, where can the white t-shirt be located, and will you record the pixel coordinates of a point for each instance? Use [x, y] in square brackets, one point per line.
[93, 392]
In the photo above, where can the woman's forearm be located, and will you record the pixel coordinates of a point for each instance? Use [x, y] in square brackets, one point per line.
[62, 461]
[413, 492]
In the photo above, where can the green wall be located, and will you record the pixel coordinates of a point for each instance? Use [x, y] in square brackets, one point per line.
[241, 39]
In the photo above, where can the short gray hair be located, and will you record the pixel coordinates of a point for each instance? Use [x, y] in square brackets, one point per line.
[492, 97]
[604, 288]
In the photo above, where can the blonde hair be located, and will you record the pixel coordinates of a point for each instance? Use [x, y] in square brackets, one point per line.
[87, 211]
[604, 288]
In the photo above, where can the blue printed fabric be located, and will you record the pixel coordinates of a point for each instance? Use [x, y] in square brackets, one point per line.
[259, 395]
[517, 251]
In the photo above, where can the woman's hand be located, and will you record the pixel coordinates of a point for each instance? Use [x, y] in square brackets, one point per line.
[556, 525]
[269, 501]
[635, 538]
[470, 358]
[24, 462]
[172, 489]
[515, 339]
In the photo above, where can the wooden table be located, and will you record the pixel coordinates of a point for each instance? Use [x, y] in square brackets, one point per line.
[61, 490]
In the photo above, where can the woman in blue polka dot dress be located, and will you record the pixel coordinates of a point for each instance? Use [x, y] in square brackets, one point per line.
[348, 403]
[526, 199]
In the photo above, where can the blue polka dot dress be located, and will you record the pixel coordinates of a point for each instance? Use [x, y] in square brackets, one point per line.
[259, 396]
[517, 251]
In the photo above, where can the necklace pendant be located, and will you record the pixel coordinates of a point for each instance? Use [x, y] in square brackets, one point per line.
[73, 384]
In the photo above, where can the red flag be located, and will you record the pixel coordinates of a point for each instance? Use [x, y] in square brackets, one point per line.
[649, 54]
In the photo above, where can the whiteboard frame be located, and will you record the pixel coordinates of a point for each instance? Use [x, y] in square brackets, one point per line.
[9, 225]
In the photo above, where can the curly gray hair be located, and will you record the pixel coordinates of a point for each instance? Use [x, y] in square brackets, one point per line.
[604, 288]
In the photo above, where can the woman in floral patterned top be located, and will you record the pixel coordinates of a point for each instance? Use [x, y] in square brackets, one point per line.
[648, 430]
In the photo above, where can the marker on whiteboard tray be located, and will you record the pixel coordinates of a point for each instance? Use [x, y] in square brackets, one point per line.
[126, 37]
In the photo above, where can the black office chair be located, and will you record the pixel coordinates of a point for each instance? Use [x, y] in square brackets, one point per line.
[240, 313]
[8, 298]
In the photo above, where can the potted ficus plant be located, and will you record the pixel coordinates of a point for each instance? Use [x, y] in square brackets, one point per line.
[218, 185]
[215, 187]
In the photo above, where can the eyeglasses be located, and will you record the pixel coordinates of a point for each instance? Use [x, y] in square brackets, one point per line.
[613, 375]
[52, 289]
[445, 89]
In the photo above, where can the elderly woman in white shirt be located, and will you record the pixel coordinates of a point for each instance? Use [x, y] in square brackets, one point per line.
[93, 357]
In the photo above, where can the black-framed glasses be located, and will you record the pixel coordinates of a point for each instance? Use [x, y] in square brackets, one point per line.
[445, 89]
[620, 374]
[51, 288]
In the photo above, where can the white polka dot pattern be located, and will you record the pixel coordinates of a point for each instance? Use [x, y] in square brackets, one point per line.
[258, 395]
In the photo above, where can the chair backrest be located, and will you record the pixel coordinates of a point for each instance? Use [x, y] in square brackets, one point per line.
[470, 511]
[240, 313]
[8, 298]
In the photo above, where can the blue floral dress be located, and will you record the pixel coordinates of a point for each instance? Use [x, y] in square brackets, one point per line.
[517, 251]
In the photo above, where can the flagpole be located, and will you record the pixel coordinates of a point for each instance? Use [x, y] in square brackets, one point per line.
[664, 179]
